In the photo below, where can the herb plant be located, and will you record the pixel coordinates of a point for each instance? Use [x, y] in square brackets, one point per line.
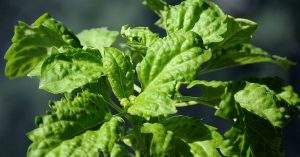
[137, 85]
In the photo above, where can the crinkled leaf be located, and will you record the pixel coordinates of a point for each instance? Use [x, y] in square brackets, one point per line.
[202, 17]
[253, 137]
[161, 139]
[176, 58]
[66, 71]
[139, 38]
[118, 67]
[243, 54]
[31, 43]
[262, 101]
[97, 37]
[69, 128]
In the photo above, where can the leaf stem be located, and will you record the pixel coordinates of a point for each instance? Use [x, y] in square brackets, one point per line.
[188, 101]
[137, 88]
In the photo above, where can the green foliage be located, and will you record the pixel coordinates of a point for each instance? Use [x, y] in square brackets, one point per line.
[90, 72]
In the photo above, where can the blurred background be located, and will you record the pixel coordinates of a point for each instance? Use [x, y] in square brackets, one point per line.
[20, 99]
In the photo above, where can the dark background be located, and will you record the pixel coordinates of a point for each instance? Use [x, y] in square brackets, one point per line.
[20, 99]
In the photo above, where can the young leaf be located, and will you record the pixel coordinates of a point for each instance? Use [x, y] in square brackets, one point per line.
[241, 55]
[66, 71]
[32, 42]
[67, 129]
[97, 38]
[118, 67]
[139, 38]
[177, 58]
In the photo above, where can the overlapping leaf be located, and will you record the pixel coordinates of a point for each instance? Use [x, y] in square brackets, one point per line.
[119, 69]
[71, 128]
[64, 72]
[32, 42]
[177, 58]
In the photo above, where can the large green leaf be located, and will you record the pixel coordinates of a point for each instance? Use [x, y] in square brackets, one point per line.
[97, 38]
[176, 58]
[64, 72]
[243, 54]
[71, 128]
[118, 67]
[32, 42]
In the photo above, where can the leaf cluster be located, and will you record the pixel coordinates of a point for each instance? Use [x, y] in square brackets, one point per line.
[108, 87]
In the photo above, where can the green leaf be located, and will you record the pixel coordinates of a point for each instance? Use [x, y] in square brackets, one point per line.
[139, 38]
[31, 44]
[97, 37]
[253, 136]
[202, 17]
[72, 127]
[241, 55]
[262, 101]
[176, 58]
[161, 140]
[118, 67]
[66, 71]
[156, 5]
